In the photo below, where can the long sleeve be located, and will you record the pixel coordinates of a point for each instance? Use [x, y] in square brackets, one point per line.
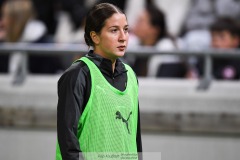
[139, 137]
[71, 99]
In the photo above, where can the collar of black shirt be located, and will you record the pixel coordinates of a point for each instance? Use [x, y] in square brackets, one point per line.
[105, 65]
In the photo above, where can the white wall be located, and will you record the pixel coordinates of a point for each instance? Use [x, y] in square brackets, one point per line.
[40, 145]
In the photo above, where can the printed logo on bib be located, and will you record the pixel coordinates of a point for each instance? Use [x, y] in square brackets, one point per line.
[119, 116]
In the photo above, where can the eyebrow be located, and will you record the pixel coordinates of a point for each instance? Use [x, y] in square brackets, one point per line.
[118, 26]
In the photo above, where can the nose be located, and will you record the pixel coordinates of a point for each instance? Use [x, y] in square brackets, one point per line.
[122, 36]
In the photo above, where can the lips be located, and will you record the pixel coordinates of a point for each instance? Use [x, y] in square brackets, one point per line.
[121, 48]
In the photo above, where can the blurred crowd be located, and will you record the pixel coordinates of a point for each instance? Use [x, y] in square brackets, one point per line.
[166, 25]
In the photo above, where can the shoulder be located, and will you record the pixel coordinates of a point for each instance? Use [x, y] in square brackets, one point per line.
[76, 71]
[131, 72]
[127, 67]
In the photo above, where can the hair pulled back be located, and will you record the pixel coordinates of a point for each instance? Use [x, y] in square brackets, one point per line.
[96, 19]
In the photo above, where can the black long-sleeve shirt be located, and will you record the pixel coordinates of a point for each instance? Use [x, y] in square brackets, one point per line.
[74, 89]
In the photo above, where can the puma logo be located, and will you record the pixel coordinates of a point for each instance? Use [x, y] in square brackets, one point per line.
[119, 116]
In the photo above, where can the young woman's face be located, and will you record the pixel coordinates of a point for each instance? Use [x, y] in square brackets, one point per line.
[143, 28]
[6, 20]
[224, 40]
[113, 38]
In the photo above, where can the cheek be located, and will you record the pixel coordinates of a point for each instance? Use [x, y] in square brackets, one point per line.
[226, 42]
[221, 42]
[236, 42]
[232, 42]
[5, 22]
[109, 41]
[216, 39]
[138, 30]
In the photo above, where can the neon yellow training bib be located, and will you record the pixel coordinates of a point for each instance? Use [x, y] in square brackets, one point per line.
[108, 125]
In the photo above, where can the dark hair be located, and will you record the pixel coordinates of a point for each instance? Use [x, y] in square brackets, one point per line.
[96, 18]
[227, 24]
[157, 19]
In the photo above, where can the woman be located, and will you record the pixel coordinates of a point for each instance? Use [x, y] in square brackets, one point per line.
[151, 31]
[98, 95]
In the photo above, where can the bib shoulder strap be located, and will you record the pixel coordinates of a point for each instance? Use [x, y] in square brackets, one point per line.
[131, 73]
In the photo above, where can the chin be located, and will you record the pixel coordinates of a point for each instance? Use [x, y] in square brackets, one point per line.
[120, 53]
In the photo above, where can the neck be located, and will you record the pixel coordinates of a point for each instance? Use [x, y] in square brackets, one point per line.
[113, 65]
[113, 60]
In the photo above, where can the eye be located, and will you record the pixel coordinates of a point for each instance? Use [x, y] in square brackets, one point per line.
[126, 30]
[114, 30]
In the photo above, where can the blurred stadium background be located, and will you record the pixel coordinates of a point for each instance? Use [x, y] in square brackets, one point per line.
[190, 114]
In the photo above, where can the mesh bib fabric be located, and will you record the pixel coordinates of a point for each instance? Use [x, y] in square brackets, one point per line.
[109, 122]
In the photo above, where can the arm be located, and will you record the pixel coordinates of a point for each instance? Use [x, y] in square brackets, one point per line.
[139, 137]
[71, 102]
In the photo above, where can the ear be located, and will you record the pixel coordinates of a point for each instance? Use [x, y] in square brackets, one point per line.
[95, 37]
